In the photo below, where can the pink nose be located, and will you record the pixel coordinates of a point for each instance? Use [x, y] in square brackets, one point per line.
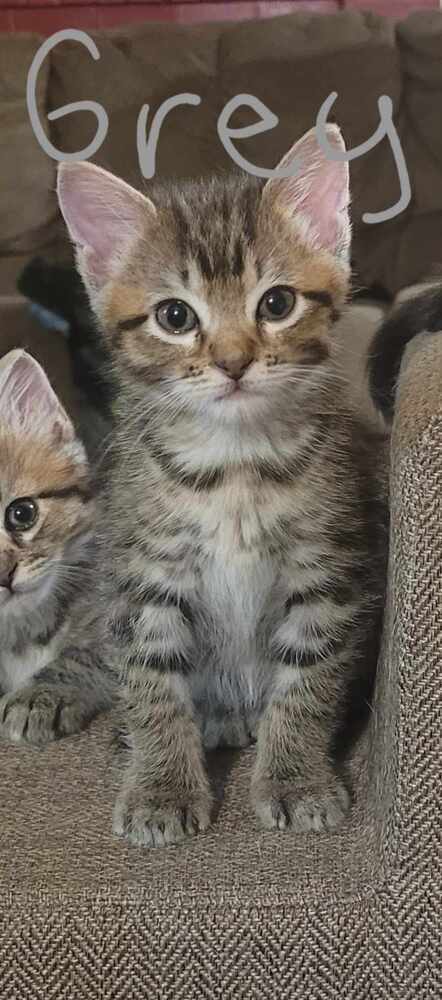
[234, 366]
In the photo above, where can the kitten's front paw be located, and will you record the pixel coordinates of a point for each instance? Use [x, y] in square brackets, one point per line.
[151, 819]
[281, 805]
[39, 714]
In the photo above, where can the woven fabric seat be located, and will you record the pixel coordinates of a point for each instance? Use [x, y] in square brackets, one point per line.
[239, 913]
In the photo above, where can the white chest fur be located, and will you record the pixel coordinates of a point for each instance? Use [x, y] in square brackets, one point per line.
[17, 669]
[236, 582]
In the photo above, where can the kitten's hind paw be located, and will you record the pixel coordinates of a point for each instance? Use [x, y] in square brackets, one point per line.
[152, 821]
[39, 714]
[284, 806]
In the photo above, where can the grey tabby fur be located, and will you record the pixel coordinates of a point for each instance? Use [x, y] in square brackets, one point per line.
[244, 519]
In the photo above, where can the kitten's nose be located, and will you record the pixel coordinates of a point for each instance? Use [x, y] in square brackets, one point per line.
[234, 365]
[7, 577]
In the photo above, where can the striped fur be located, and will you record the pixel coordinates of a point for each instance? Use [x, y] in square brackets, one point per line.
[244, 534]
[46, 689]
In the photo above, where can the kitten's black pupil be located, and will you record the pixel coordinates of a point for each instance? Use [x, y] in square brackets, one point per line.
[177, 315]
[21, 514]
[277, 302]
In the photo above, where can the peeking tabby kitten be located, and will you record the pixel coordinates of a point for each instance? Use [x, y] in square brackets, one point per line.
[50, 684]
[244, 523]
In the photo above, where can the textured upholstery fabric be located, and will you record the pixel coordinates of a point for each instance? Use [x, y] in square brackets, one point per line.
[242, 914]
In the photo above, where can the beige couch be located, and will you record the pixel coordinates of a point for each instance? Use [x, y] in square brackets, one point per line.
[240, 914]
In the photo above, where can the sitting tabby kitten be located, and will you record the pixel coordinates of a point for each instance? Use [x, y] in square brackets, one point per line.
[244, 521]
[49, 686]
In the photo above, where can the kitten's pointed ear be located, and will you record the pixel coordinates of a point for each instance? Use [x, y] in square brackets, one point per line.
[28, 402]
[104, 215]
[318, 194]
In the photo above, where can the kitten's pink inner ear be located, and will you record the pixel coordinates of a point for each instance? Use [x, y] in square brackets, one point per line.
[27, 401]
[103, 215]
[318, 193]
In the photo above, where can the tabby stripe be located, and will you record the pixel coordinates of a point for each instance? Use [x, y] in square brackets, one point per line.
[324, 299]
[277, 473]
[238, 259]
[66, 493]
[294, 657]
[131, 323]
[204, 479]
[123, 629]
[297, 658]
[334, 590]
[45, 636]
[166, 663]
[81, 656]
[209, 479]
[280, 472]
[152, 594]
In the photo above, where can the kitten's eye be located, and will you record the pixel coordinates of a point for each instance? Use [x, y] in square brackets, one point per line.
[276, 304]
[176, 316]
[21, 515]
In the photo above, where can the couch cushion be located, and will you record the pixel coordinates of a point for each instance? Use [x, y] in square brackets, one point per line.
[146, 64]
[27, 172]
[292, 64]
[69, 790]
[419, 249]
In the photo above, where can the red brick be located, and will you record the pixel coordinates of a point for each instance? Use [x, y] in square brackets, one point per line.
[5, 20]
[128, 13]
[46, 21]
[394, 8]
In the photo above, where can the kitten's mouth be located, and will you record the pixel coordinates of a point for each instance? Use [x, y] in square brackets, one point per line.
[232, 391]
[8, 594]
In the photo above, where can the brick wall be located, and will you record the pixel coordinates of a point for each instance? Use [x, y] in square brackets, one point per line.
[47, 16]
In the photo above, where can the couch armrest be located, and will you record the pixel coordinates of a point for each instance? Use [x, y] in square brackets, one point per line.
[407, 746]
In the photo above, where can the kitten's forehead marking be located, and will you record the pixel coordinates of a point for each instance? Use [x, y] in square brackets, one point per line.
[214, 226]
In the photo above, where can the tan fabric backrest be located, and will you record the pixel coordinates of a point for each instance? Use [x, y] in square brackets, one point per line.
[292, 64]
[27, 174]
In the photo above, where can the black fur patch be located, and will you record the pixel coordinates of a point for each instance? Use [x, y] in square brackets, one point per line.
[422, 314]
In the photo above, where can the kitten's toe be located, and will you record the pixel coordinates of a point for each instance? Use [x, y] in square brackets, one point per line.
[319, 810]
[151, 822]
[40, 715]
[281, 806]
[13, 719]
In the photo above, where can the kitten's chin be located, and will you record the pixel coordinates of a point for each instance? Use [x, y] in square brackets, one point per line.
[237, 403]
